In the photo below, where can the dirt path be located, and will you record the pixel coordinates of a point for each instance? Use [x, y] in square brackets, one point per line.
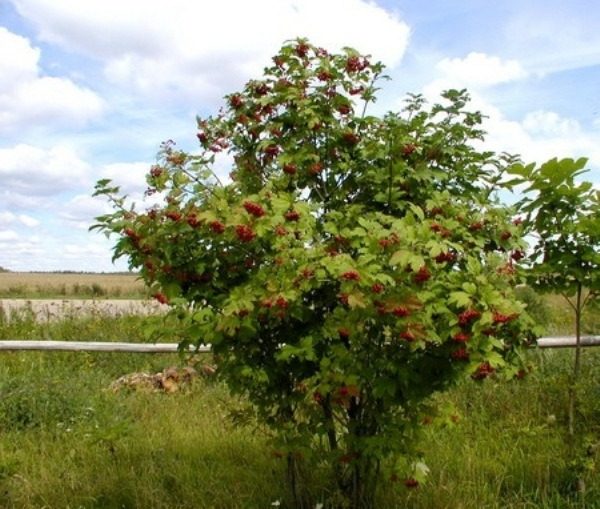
[49, 309]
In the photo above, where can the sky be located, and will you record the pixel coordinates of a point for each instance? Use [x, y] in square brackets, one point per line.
[89, 89]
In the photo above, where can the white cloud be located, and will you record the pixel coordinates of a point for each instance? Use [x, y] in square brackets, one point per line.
[7, 218]
[186, 49]
[539, 136]
[477, 71]
[79, 212]
[480, 70]
[33, 171]
[7, 235]
[550, 123]
[27, 97]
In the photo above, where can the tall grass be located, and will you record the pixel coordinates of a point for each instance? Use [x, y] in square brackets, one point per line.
[67, 441]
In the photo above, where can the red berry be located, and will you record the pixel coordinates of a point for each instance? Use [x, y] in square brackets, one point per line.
[302, 49]
[271, 150]
[280, 231]
[377, 288]
[254, 209]
[173, 215]
[411, 483]
[422, 275]
[344, 333]
[483, 371]
[351, 275]
[281, 302]
[461, 337]
[292, 215]
[217, 226]
[501, 318]
[192, 220]
[445, 257]
[236, 101]
[407, 335]
[460, 354]
[324, 75]
[156, 171]
[131, 234]
[315, 168]
[517, 255]
[202, 137]
[351, 138]
[290, 168]
[343, 109]
[356, 90]
[244, 233]
[400, 312]
[356, 64]
[161, 297]
[505, 235]
[478, 225]
[518, 221]
[408, 149]
[467, 316]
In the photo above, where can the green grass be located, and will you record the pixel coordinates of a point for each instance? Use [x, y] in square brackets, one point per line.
[66, 441]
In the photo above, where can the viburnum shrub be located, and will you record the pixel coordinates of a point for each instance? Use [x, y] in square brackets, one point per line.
[351, 267]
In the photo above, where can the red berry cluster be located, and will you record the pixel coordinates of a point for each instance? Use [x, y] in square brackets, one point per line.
[468, 316]
[254, 209]
[351, 138]
[315, 168]
[192, 220]
[244, 233]
[422, 275]
[411, 483]
[377, 288]
[129, 232]
[400, 311]
[408, 149]
[407, 336]
[356, 64]
[217, 226]
[517, 255]
[271, 150]
[501, 318]
[460, 354]
[351, 275]
[173, 215]
[483, 371]
[445, 257]
[292, 215]
[461, 337]
[161, 297]
[343, 109]
[290, 168]
[438, 228]
[156, 171]
[324, 75]
[476, 226]
[236, 101]
[505, 235]
[344, 333]
[280, 231]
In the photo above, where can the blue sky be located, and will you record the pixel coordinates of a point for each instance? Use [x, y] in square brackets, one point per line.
[89, 89]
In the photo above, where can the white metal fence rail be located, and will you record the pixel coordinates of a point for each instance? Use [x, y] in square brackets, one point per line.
[95, 346]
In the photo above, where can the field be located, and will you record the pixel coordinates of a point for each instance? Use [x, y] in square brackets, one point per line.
[67, 440]
[70, 285]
